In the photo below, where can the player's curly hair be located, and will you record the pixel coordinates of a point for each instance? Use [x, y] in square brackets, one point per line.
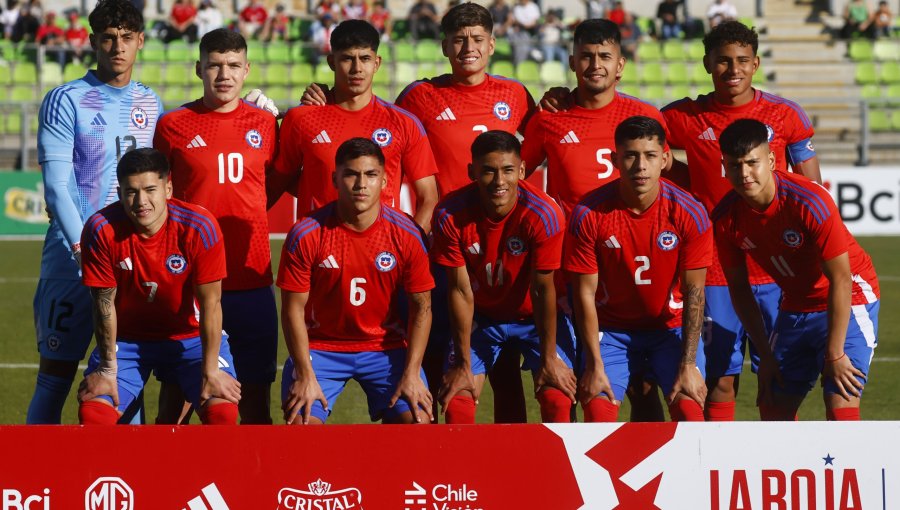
[356, 148]
[495, 141]
[142, 160]
[742, 136]
[468, 14]
[355, 33]
[639, 127]
[597, 31]
[222, 40]
[115, 14]
[730, 32]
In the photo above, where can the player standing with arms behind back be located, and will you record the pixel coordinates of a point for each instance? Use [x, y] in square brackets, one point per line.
[220, 148]
[85, 127]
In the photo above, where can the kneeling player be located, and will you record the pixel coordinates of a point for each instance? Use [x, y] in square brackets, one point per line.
[155, 267]
[646, 244]
[501, 241]
[342, 270]
[828, 320]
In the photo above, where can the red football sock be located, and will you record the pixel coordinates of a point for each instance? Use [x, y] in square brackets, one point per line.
[220, 414]
[720, 411]
[461, 411]
[555, 406]
[774, 413]
[97, 413]
[842, 414]
[600, 410]
[685, 409]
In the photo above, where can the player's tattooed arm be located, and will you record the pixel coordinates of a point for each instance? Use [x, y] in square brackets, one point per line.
[458, 378]
[102, 381]
[411, 387]
[690, 382]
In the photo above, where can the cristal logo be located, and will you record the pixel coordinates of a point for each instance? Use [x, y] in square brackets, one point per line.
[443, 496]
[319, 497]
[109, 493]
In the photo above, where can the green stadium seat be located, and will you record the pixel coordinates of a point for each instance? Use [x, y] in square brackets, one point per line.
[503, 68]
[423, 70]
[256, 51]
[893, 94]
[24, 73]
[279, 94]
[870, 91]
[699, 76]
[404, 73]
[528, 71]
[553, 74]
[444, 68]
[302, 74]
[428, 51]
[23, 93]
[279, 52]
[51, 74]
[12, 122]
[677, 73]
[895, 120]
[384, 92]
[861, 50]
[300, 29]
[400, 30]
[629, 75]
[654, 94]
[178, 74]
[890, 72]
[74, 71]
[674, 49]
[646, 25]
[696, 50]
[277, 74]
[747, 21]
[887, 49]
[8, 50]
[5, 73]
[652, 73]
[179, 51]
[324, 74]
[174, 96]
[383, 76]
[404, 52]
[154, 51]
[150, 73]
[502, 50]
[629, 89]
[535, 89]
[680, 91]
[866, 73]
[879, 121]
[648, 52]
[196, 91]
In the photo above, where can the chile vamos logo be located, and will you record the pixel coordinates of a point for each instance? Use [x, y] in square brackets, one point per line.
[319, 497]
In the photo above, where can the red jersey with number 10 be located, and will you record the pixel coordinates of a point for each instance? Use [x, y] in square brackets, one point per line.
[354, 278]
[219, 161]
[499, 256]
[638, 258]
[154, 277]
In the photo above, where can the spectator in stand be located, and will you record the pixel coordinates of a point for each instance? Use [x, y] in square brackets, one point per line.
[321, 35]
[355, 9]
[631, 36]
[26, 26]
[51, 37]
[209, 18]
[252, 19]
[76, 37]
[551, 35]
[9, 17]
[667, 12]
[328, 7]
[882, 21]
[719, 11]
[596, 9]
[526, 17]
[423, 19]
[277, 27]
[501, 15]
[856, 19]
[617, 14]
[181, 22]
[380, 18]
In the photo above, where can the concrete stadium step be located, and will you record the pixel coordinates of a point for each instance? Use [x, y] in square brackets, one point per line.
[803, 51]
[831, 73]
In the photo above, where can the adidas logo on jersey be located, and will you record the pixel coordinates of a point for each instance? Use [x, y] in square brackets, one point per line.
[747, 244]
[322, 138]
[196, 142]
[708, 135]
[570, 138]
[612, 242]
[329, 263]
[214, 500]
[126, 264]
[474, 249]
[98, 120]
[446, 115]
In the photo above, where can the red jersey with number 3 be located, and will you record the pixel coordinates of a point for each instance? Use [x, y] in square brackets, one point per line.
[639, 258]
[219, 161]
[578, 144]
[454, 115]
[499, 255]
[354, 278]
[154, 277]
[311, 135]
[790, 239]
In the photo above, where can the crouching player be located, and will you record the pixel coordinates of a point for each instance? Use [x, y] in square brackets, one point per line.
[342, 270]
[155, 266]
[828, 319]
[645, 244]
[500, 240]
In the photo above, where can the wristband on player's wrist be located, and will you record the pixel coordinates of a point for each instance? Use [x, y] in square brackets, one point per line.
[836, 359]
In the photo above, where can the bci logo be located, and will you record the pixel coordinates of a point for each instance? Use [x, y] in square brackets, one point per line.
[15, 500]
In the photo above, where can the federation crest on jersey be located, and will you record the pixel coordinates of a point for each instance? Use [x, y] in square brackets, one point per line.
[792, 238]
[770, 133]
[139, 118]
[382, 137]
[254, 139]
[667, 240]
[385, 261]
[502, 110]
[515, 245]
[176, 264]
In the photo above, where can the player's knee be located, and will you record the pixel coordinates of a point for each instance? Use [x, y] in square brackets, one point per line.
[461, 410]
[224, 413]
[722, 389]
[555, 406]
[97, 412]
[600, 410]
[686, 409]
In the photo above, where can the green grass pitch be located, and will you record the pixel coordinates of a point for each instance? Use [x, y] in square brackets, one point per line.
[19, 269]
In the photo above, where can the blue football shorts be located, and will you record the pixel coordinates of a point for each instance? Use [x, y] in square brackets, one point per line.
[63, 319]
[251, 321]
[724, 337]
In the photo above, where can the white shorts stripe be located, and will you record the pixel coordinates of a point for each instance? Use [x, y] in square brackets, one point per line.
[861, 316]
[866, 288]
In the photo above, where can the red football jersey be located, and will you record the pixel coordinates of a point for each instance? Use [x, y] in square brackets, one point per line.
[499, 256]
[154, 277]
[354, 278]
[219, 161]
[578, 144]
[311, 135]
[790, 239]
[639, 258]
[695, 126]
[454, 115]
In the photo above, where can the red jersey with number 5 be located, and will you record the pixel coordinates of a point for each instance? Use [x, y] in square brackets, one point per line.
[154, 277]
[219, 161]
[354, 278]
[639, 258]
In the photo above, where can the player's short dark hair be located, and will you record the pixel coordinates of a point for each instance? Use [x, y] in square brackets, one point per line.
[597, 31]
[222, 40]
[468, 14]
[355, 33]
[730, 32]
[115, 14]
[356, 148]
[640, 127]
[742, 136]
[142, 160]
[495, 141]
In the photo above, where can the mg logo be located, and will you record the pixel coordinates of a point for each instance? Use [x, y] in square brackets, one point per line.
[109, 493]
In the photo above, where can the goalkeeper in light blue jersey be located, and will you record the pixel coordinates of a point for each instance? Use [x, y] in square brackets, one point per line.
[86, 125]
